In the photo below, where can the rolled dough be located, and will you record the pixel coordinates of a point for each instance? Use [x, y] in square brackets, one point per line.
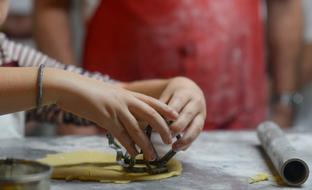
[100, 166]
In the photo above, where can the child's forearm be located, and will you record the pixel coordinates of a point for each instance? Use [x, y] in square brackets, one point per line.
[23, 56]
[19, 89]
[152, 88]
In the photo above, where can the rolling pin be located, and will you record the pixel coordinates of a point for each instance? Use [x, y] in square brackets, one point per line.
[286, 160]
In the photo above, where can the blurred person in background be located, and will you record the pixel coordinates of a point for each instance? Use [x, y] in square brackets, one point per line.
[303, 120]
[306, 69]
[19, 23]
[219, 44]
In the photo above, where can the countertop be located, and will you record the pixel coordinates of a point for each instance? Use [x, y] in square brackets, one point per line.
[220, 160]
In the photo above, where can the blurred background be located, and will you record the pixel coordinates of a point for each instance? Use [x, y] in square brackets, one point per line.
[25, 26]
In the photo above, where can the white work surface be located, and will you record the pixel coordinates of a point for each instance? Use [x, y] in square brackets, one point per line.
[217, 161]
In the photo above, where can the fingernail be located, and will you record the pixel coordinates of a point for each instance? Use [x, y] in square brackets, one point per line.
[177, 150]
[136, 148]
[169, 141]
[172, 134]
[136, 153]
[152, 157]
[175, 113]
[177, 147]
[133, 153]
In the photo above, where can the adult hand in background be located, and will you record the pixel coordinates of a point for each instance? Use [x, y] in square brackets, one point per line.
[283, 115]
[185, 97]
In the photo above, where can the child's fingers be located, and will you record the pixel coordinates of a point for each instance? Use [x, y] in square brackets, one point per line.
[186, 117]
[137, 135]
[192, 132]
[165, 97]
[178, 101]
[152, 117]
[124, 139]
[162, 108]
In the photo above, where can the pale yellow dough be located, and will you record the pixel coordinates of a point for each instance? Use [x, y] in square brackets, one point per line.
[100, 166]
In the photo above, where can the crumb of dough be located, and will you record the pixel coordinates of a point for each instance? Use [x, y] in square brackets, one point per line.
[259, 178]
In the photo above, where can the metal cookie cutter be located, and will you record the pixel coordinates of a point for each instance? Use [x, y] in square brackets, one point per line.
[24, 175]
[130, 164]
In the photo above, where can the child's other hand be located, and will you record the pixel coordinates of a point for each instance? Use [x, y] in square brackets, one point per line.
[115, 109]
[184, 96]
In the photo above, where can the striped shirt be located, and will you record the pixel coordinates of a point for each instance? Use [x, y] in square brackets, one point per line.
[24, 56]
[17, 55]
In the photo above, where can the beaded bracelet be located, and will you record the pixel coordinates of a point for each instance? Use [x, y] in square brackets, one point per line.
[39, 84]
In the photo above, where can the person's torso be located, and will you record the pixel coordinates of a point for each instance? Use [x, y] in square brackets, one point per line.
[218, 44]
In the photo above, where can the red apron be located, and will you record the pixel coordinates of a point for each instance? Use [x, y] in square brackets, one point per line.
[216, 43]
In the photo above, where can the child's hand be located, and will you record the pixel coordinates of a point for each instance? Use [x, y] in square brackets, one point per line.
[113, 108]
[184, 96]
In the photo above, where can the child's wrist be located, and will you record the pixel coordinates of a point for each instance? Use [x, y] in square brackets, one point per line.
[54, 85]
